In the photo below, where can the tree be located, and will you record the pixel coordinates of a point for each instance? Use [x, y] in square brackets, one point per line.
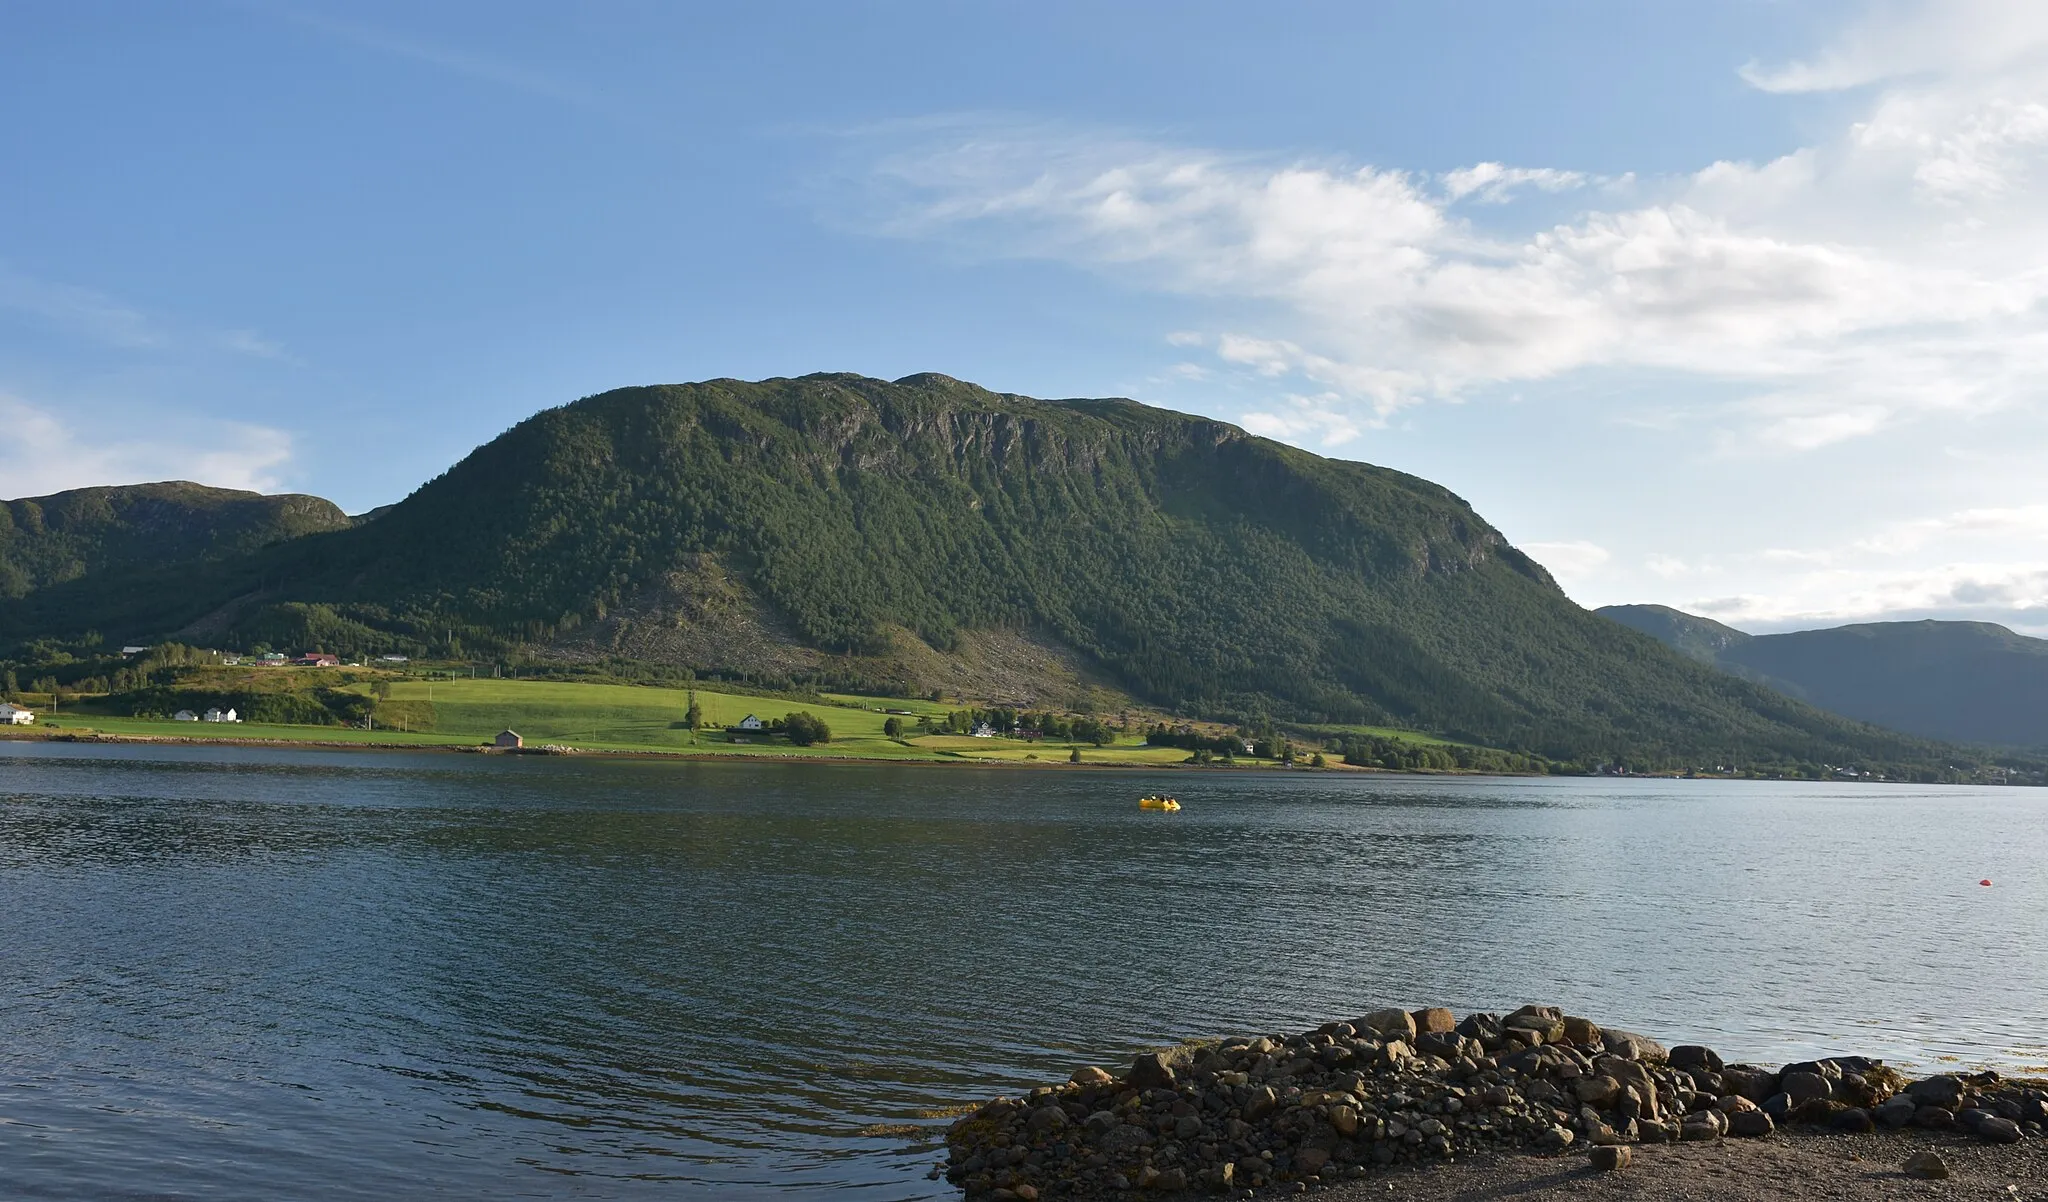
[1074, 757]
[694, 716]
[805, 729]
[892, 727]
[1316, 760]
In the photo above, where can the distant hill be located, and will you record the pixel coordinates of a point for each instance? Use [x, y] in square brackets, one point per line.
[1700, 638]
[67, 535]
[841, 529]
[1971, 682]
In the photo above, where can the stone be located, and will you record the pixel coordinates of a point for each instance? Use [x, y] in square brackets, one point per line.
[1026, 1192]
[1150, 1070]
[1750, 1124]
[1312, 1160]
[1630, 1046]
[1934, 1118]
[1927, 1164]
[1778, 1106]
[1853, 1121]
[1999, 1130]
[1944, 1091]
[1434, 1021]
[1609, 1158]
[1599, 1091]
[1444, 1045]
[1262, 1103]
[1344, 1120]
[1187, 1126]
[1650, 1131]
[1581, 1032]
[1696, 1128]
[1693, 1056]
[1751, 1082]
[1818, 1111]
[1546, 1023]
[1100, 1121]
[1896, 1112]
[1047, 1119]
[1388, 1024]
[1805, 1087]
[1090, 1077]
[1734, 1104]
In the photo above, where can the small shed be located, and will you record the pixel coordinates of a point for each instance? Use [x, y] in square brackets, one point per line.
[16, 715]
[184, 716]
[750, 722]
[508, 740]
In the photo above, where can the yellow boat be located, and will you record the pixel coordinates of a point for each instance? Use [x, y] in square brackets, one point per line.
[1159, 803]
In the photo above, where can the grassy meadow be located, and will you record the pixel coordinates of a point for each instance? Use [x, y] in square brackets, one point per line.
[625, 718]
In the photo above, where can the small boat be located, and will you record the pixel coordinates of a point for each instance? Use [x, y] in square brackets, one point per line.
[1159, 803]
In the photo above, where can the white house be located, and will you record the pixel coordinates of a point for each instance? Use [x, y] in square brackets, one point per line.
[984, 731]
[750, 722]
[226, 715]
[184, 716]
[15, 715]
[393, 659]
[131, 649]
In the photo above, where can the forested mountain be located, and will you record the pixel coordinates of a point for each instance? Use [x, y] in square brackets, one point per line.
[1972, 682]
[49, 540]
[867, 527]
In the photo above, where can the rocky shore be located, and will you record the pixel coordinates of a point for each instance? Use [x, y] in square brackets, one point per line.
[1398, 1088]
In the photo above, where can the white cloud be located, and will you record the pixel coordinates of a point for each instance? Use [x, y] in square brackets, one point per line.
[1495, 183]
[41, 454]
[1893, 271]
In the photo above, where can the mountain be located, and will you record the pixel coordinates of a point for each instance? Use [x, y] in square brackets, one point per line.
[1699, 638]
[67, 535]
[1970, 682]
[838, 528]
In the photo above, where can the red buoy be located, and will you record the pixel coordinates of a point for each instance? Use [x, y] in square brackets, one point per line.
[1985, 881]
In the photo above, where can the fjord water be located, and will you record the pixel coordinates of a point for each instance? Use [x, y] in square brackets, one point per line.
[251, 974]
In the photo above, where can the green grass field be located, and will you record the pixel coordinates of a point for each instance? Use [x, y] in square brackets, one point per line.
[612, 717]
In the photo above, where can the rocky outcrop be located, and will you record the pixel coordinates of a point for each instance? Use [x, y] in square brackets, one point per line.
[1397, 1087]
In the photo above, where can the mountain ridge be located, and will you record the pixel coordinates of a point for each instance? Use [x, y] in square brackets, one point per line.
[1960, 681]
[1191, 563]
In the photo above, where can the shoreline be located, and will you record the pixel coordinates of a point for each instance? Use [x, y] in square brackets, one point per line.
[935, 759]
[1422, 1104]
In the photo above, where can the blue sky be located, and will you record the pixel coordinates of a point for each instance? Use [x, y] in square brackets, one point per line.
[1734, 306]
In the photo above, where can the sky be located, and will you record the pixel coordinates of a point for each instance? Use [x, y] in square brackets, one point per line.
[1739, 307]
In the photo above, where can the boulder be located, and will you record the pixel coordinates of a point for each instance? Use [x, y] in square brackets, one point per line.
[1944, 1091]
[1610, 1158]
[1262, 1103]
[1388, 1024]
[1750, 1124]
[1699, 1127]
[1344, 1121]
[1310, 1161]
[1998, 1130]
[1778, 1106]
[1544, 1023]
[1804, 1087]
[1090, 1077]
[1150, 1070]
[1853, 1121]
[1751, 1082]
[1047, 1119]
[1927, 1164]
[1434, 1021]
[1897, 1112]
[1934, 1118]
[1581, 1032]
[1444, 1045]
[1599, 1091]
[1630, 1046]
[1691, 1056]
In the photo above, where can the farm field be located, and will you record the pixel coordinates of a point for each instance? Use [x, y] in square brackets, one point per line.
[629, 718]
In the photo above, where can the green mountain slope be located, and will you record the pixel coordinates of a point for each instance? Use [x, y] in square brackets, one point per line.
[873, 525]
[1970, 682]
[49, 540]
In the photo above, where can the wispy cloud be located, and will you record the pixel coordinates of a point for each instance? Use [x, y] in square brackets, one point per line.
[1893, 271]
[469, 64]
[106, 321]
[42, 453]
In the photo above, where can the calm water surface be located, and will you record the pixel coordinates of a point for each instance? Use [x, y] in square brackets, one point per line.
[250, 974]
